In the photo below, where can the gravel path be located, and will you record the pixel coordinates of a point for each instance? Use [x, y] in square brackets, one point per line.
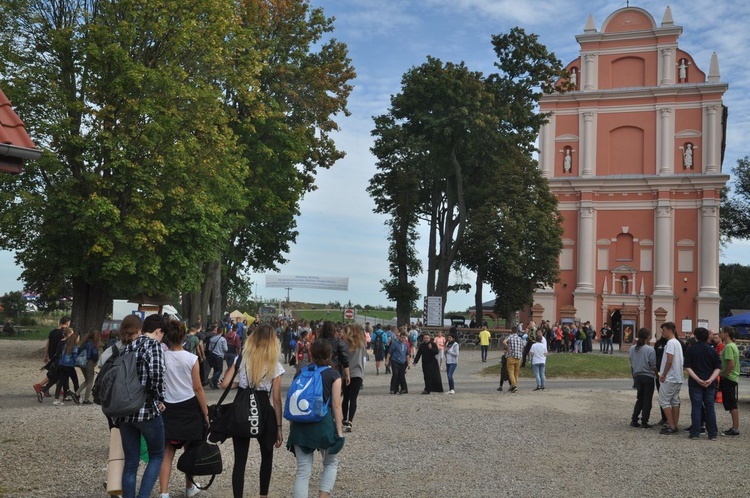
[571, 440]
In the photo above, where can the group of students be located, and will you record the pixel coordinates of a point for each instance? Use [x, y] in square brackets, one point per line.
[712, 363]
[175, 416]
[63, 353]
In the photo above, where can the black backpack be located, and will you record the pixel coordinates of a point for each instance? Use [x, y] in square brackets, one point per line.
[118, 388]
[379, 340]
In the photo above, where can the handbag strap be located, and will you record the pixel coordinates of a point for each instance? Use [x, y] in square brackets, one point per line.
[205, 486]
[234, 375]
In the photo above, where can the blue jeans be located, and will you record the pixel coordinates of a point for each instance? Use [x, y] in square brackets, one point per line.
[451, 368]
[484, 352]
[304, 470]
[130, 433]
[539, 373]
[703, 397]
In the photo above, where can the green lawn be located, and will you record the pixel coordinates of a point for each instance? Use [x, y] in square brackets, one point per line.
[577, 366]
[29, 334]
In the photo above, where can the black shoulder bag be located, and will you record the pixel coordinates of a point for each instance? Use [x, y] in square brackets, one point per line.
[243, 418]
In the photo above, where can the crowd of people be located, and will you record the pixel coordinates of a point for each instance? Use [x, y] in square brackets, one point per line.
[176, 363]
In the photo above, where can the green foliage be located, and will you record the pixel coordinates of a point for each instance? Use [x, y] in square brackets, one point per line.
[735, 210]
[455, 150]
[284, 119]
[174, 133]
[734, 287]
[13, 304]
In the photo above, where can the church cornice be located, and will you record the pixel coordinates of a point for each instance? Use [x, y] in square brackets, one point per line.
[678, 90]
[637, 183]
[643, 34]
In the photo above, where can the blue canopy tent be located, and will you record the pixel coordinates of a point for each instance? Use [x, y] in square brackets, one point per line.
[740, 322]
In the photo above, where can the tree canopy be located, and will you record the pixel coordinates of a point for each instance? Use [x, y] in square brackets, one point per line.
[735, 209]
[160, 121]
[468, 140]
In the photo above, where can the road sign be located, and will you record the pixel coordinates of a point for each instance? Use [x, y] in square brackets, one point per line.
[349, 314]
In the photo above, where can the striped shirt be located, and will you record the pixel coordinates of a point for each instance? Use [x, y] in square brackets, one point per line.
[149, 360]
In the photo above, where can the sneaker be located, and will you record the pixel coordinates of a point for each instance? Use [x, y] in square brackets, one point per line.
[454, 392]
[76, 398]
[543, 388]
[86, 402]
[192, 491]
[166, 495]
[57, 402]
[348, 427]
[513, 389]
[425, 392]
[730, 432]
[635, 424]
[537, 388]
[45, 392]
[38, 390]
[646, 425]
[500, 388]
[693, 437]
[669, 430]
[712, 438]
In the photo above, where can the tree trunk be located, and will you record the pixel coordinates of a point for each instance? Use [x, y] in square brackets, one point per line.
[432, 247]
[478, 315]
[90, 304]
[208, 285]
[217, 310]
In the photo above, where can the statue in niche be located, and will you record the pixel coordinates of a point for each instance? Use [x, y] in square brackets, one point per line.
[687, 156]
[567, 161]
[574, 77]
[682, 70]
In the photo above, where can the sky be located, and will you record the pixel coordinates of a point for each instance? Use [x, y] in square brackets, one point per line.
[339, 235]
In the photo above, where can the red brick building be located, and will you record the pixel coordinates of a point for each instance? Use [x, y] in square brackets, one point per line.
[633, 156]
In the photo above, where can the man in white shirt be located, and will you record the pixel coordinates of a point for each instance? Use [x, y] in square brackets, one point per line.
[671, 378]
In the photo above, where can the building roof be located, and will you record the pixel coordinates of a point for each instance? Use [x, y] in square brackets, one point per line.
[15, 143]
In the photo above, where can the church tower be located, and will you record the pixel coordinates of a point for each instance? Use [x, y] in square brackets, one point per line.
[634, 156]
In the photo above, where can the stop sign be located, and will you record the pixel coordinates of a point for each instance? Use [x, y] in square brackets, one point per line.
[349, 314]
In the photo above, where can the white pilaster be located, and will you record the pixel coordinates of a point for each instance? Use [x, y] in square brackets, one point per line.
[665, 142]
[589, 75]
[588, 144]
[663, 264]
[709, 248]
[710, 128]
[708, 264]
[585, 247]
[667, 67]
[547, 155]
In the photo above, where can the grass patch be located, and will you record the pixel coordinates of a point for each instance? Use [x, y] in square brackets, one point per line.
[29, 334]
[577, 366]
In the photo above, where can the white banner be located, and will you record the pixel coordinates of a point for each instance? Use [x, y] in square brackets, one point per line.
[301, 282]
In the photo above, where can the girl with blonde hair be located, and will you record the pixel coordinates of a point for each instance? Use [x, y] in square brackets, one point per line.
[261, 369]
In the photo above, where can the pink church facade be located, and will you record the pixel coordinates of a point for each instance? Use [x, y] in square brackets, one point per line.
[633, 156]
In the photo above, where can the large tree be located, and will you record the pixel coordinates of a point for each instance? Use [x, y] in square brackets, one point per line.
[140, 163]
[284, 118]
[396, 192]
[477, 135]
[734, 286]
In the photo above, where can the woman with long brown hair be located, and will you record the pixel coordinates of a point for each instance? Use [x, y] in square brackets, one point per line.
[89, 344]
[185, 409]
[261, 369]
[66, 366]
[357, 343]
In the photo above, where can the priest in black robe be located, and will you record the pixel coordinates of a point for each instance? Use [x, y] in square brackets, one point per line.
[428, 352]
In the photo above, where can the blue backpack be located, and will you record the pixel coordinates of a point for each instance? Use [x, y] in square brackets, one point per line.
[304, 400]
